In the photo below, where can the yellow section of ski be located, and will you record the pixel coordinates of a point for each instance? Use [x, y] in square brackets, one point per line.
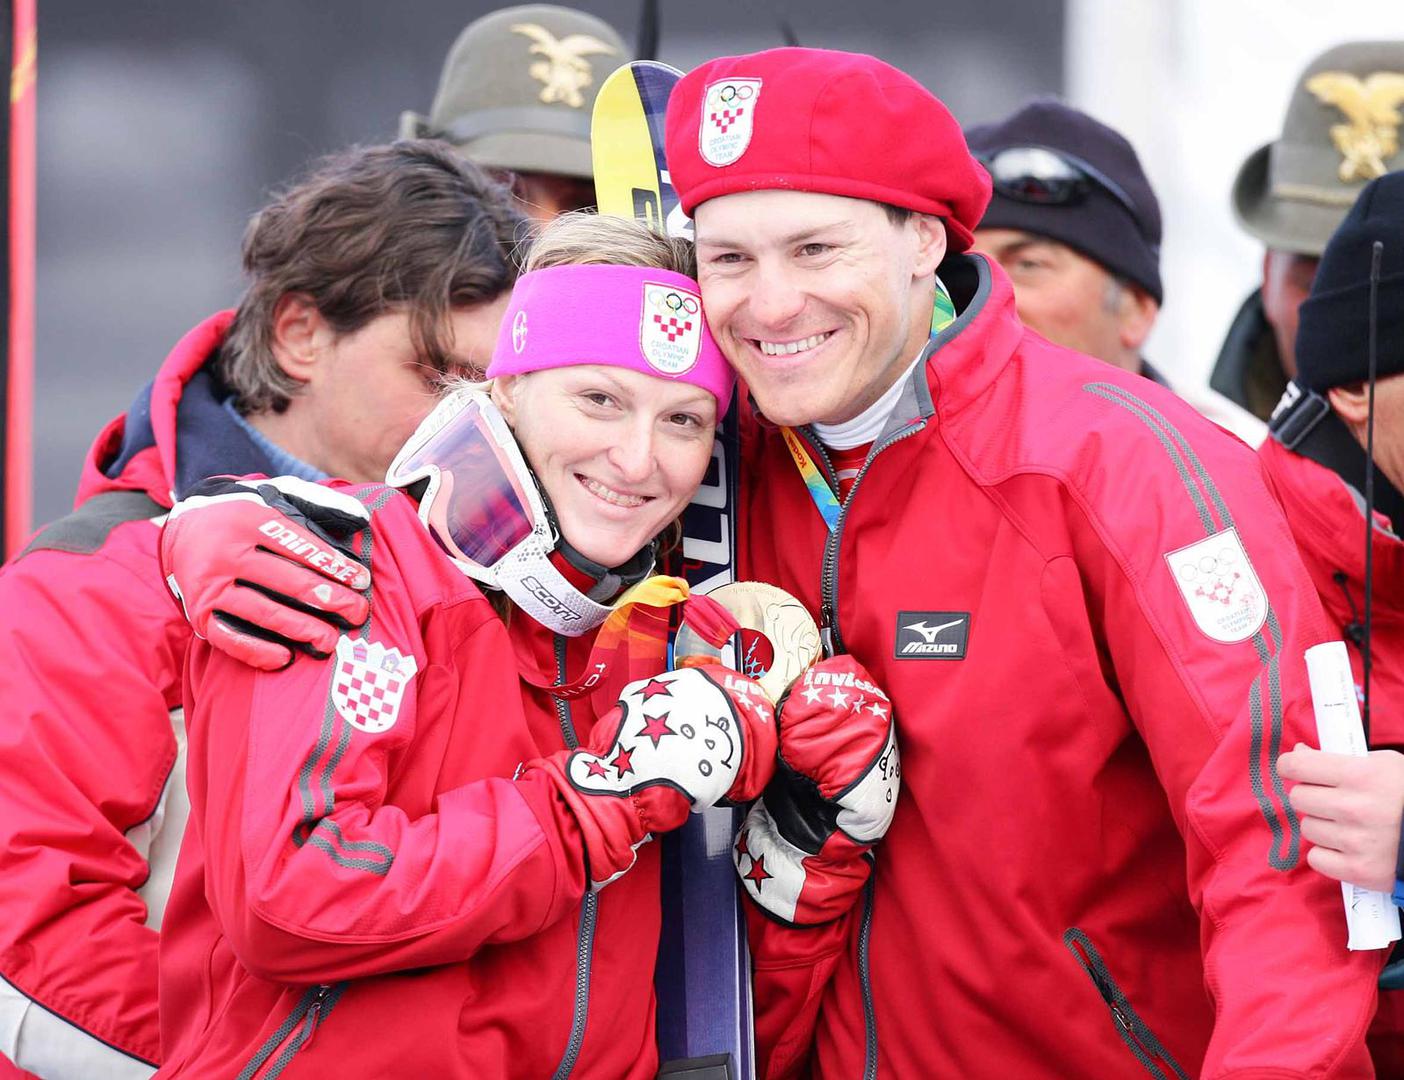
[626, 173]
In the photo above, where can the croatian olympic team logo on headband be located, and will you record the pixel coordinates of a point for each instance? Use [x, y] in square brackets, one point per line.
[670, 334]
[728, 117]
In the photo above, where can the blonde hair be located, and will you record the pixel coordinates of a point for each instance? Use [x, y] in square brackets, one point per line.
[584, 238]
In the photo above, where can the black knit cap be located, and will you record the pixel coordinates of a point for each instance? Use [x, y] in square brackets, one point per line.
[1099, 226]
[1333, 331]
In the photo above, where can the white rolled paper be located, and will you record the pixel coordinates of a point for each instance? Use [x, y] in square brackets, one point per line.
[1372, 920]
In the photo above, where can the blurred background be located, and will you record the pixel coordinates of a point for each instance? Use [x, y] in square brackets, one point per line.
[163, 124]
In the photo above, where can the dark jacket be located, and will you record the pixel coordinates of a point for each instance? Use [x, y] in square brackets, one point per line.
[1249, 370]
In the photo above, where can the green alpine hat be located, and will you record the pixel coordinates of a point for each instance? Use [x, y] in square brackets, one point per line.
[1341, 131]
[518, 87]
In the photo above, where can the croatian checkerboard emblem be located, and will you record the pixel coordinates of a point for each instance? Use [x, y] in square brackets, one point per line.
[1220, 587]
[670, 333]
[369, 683]
[728, 118]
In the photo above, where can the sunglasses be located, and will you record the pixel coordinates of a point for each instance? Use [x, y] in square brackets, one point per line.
[1044, 177]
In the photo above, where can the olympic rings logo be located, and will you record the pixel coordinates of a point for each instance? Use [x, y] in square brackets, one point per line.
[729, 93]
[673, 301]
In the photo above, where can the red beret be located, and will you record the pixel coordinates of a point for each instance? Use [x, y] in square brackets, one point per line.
[816, 120]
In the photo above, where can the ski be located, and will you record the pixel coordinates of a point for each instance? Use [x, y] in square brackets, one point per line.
[705, 1029]
[626, 143]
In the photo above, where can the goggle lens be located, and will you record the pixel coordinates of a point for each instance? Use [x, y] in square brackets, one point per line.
[1035, 175]
[479, 511]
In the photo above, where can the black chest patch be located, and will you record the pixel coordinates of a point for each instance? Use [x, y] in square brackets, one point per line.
[931, 635]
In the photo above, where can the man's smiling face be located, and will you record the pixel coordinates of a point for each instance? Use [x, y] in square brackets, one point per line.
[819, 301]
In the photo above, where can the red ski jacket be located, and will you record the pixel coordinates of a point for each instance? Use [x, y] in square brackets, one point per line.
[365, 889]
[1090, 616]
[92, 795]
[1329, 526]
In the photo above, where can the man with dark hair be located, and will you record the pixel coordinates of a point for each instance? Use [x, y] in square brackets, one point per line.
[1341, 131]
[1315, 460]
[1076, 225]
[515, 97]
[380, 272]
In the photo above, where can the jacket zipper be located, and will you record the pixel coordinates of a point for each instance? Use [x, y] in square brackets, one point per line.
[828, 594]
[585, 942]
[833, 643]
[870, 1058]
[1134, 1032]
[295, 1032]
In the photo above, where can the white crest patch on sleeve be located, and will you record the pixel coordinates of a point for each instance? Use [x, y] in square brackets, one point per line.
[1220, 587]
[670, 328]
[728, 118]
[369, 683]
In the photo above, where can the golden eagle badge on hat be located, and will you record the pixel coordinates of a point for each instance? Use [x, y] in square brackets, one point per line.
[564, 71]
[1341, 129]
[1371, 107]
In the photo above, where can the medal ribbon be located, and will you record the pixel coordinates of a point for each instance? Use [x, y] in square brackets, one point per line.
[632, 642]
[943, 313]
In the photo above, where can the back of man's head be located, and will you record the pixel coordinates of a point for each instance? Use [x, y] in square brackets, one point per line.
[1333, 335]
[409, 225]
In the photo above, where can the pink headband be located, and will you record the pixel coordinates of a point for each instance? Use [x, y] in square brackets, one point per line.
[623, 316]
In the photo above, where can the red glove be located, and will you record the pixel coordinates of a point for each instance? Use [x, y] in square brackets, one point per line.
[260, 567]
[803, 850]
[675, 744]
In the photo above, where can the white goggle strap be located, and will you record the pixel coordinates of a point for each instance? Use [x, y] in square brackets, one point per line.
[532, 582]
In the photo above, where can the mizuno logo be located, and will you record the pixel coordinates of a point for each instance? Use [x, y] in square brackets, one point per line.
[929, 633]
[932, 635]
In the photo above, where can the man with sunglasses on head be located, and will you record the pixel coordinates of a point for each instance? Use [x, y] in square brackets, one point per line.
[1076, 225]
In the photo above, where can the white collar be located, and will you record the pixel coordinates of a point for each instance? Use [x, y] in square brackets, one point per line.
[868, 424]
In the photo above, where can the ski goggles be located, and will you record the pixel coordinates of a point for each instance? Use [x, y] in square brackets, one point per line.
[1044, 177]
[481, 504]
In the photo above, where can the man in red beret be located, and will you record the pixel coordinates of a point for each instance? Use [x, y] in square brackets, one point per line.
[1075, 595]
[1079, 595]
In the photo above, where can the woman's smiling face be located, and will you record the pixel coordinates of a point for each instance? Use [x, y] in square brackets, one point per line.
[619, 453]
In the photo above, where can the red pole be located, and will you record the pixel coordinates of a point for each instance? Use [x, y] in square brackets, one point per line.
[20, 396]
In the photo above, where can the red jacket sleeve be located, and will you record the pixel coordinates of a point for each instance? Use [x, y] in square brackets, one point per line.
[93, 655]
[313, 871]
[1205, 612]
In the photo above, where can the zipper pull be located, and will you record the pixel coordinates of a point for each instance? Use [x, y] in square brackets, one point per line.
[314, 1016]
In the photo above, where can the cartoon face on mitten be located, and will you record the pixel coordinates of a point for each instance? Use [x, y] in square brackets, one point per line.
[681, 729]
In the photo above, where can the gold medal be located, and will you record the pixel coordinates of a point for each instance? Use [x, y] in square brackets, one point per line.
[778, 638]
